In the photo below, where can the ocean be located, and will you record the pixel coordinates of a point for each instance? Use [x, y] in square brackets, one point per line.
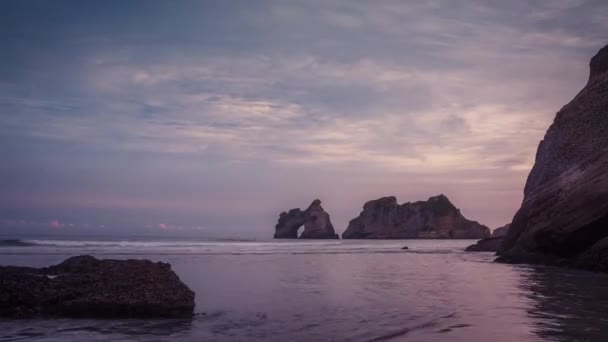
[334, 290]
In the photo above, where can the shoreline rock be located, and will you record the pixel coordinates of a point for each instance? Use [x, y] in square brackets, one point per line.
[436, 218]
[316, 222]
[501, 231]
[564, 214]
[491, 244]
[86, 287]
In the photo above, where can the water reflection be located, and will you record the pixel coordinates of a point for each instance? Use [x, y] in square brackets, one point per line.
[93, 330]
[567, 305]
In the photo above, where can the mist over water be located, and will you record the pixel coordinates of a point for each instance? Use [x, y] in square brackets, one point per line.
[335, 291]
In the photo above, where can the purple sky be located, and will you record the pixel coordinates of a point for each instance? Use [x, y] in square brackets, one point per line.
[209, 118]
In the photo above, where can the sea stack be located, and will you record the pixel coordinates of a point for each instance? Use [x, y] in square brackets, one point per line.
[84, 286]
[436, 218]
[563, 218]
[316, 222]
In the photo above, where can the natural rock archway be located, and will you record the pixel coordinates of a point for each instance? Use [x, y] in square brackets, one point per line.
[315, 220]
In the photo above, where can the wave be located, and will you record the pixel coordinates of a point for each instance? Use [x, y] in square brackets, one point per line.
[222, 247]
[117, 243]
[15, 243]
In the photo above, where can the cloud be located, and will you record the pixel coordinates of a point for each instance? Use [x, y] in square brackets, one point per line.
[242, 127]
[56, 224]
[247, 97]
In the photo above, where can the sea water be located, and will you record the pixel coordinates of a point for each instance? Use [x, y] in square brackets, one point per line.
[333, 290]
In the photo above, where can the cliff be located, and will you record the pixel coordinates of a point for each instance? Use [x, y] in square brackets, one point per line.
[564, 214]
[436, 218]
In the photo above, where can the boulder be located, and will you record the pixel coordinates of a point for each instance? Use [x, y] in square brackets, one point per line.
[316, 222]
[84, 286]
[436, 218]
[564, 214]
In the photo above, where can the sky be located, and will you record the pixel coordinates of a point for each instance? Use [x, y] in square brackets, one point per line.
[209, 118]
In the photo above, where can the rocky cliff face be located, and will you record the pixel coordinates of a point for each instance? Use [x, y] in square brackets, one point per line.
[83, 286]
[436, 218]
[315, 220]
[565, 208]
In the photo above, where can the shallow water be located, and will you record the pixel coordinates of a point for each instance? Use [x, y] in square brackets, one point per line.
[337, 291]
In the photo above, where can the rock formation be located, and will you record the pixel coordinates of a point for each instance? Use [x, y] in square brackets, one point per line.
[564, 214]
[491, 244]
[436, 218]
[289, 223]
[315, 220]
[84, 286]
[501, 231]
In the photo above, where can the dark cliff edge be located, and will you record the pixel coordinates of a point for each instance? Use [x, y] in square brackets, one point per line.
[436, 218]
[563, 219]
[316, 222]
[86, 287]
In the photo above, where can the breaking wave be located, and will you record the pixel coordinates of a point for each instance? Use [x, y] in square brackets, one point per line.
[15, 243]
[226, 247]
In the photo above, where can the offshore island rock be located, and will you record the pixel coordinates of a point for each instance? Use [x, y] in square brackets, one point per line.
[316, 222]
[436, 218]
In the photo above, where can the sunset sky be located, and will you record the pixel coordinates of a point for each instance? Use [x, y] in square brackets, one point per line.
[209, 118]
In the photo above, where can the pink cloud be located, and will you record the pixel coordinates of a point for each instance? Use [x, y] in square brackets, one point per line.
[164, 226]
[56, 224]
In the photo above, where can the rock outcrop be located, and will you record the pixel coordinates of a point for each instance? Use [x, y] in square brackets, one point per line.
[564, 214]
[84, 286]
[594, 258]
[491, 244]
[289, 223]
[501, 231]
[315, 220]
[436, 218]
